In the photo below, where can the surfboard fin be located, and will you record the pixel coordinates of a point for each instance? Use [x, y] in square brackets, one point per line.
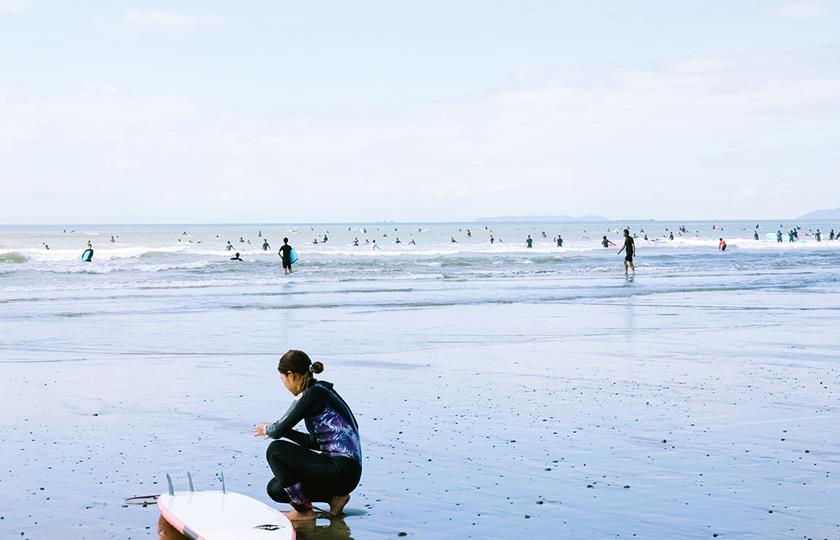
[189, 479]
[169, 483]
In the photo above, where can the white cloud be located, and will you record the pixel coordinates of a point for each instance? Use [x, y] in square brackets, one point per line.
[800, 10]
[10, 7]
[95, 114]
[701, 137]
[171, 19]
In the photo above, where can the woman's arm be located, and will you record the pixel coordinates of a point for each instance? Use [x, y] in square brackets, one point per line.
[304, 406]
[304, 439]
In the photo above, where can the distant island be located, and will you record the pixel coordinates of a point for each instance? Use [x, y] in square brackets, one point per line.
[542, 219]
[828, 213]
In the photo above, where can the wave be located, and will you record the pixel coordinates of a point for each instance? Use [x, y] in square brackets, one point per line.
[13, 257]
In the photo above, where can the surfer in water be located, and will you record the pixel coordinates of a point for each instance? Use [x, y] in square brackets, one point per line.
[236, 257]
[722, 245]
[285, 253]
[323, 465]
[630, 251]
[265, 246]
[529, 242]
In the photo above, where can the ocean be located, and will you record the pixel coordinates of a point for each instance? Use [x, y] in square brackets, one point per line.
[501, 391]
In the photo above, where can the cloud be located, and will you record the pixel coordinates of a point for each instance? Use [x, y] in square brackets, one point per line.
[800, 10]
[93, 114]
[171, 19]
[705, 136]
[11, 7]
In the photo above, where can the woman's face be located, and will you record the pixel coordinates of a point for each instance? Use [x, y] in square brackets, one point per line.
[291, 381]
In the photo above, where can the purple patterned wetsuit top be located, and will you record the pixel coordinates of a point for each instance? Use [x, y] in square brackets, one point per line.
[329, 421]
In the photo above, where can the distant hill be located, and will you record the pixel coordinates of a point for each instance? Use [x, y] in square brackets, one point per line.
[828, 213]
[542, 219]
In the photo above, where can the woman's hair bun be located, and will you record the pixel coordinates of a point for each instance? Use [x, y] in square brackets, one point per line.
[317, 367]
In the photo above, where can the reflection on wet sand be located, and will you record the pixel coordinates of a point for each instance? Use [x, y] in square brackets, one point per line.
[165, 530]
[320, 529]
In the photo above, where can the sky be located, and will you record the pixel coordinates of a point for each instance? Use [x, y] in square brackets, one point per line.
[274, 111]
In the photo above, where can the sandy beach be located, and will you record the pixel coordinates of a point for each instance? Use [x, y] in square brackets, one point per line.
[671, 406]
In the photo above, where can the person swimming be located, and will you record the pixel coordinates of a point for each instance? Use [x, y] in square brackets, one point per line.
[236, 257]
[285, 253]
[323, 465]
[722, 245]
[629, 248]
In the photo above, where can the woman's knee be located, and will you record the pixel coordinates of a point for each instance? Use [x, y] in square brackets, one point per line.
[277, 449]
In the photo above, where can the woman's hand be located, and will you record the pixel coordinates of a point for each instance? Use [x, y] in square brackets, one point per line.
[259, 430]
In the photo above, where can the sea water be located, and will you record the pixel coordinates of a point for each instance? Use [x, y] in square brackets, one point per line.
[143, 257]
[501, 391]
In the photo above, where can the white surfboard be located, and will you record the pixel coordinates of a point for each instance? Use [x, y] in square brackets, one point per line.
[216, 515]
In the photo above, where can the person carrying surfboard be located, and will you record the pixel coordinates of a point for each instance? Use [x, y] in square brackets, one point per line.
[285, 253]
[323, 465]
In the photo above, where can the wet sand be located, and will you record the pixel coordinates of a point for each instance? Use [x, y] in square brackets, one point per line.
[682, 415]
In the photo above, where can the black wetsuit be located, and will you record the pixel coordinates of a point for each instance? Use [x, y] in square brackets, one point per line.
[629, 248]
[302, 475]
[286, 256]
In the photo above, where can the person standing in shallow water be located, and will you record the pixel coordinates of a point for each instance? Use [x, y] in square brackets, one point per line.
[323, 465]
[285, 253]
[630, 251]
[529, 242]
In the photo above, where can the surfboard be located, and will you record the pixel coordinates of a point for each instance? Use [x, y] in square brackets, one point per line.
[293, 256]
[218, 515]
[86, 255]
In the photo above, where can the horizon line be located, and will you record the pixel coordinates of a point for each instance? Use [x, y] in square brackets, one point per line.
[411, 222]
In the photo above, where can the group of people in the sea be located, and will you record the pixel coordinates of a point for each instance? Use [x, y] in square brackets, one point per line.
[285, 252]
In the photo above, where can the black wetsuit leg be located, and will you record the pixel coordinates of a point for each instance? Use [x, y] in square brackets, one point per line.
[321, 477]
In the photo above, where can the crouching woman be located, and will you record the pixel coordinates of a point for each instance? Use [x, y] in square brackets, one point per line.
[323, 465]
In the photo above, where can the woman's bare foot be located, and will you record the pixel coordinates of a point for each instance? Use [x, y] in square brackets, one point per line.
[294, 515]
[338, 503]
